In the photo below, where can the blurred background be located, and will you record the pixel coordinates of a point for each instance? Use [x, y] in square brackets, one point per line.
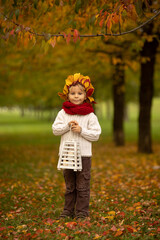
[124, 70]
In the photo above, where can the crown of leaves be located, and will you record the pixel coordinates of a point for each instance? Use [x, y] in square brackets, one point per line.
[78, 78]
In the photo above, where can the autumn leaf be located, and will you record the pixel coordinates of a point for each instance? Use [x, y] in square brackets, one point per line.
[75, 35]
[105, 233]
[118, 233]
[63, 234]
[114, 229]
[101, 22]
[111, 215]
[97, 236]
[130, 228]
[68, 38]
[52, 42]
[2, 228]
[12, 32]
[115, 17]
[71, 225]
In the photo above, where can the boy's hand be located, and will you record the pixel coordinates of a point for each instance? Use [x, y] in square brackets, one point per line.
[75, 126]
[72, 123]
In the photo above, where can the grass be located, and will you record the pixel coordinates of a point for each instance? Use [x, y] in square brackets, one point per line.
[12, 124]
[125, 195]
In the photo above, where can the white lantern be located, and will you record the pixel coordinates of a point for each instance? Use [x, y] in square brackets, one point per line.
[70, 157]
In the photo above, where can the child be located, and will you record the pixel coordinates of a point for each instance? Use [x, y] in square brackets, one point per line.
[77, 121]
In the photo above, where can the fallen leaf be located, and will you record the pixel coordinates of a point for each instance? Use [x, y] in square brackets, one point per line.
[118, 233]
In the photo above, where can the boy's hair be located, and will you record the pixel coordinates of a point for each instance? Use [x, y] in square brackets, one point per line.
[77, 84]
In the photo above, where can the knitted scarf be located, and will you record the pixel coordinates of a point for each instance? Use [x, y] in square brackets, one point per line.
[82, 109]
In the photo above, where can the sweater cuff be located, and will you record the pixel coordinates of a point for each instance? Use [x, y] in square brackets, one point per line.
[60, 131]
[67, 128]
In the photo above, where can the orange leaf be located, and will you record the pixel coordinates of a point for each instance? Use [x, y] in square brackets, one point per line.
[130, 228]
[63, 234]
[39, 231]
[101, 22]
[71, 225]
[100, 13]
[118, 233]
[35, 235]
[115, 18]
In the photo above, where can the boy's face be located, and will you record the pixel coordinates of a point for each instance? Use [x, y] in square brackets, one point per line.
[76, 95]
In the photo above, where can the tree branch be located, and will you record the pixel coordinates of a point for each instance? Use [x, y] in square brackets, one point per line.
[85, 35]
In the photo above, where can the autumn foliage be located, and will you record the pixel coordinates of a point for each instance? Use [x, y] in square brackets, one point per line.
[50, 20]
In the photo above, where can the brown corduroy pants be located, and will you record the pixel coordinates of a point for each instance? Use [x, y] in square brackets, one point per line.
[77, 193]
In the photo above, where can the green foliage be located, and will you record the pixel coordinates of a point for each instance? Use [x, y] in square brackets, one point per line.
[17, 13]
[57, 2]
[35, 4]
[139, 10]
[15, 3]
[78, 5]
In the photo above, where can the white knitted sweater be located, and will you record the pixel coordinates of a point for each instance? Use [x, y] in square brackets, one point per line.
[90, 130]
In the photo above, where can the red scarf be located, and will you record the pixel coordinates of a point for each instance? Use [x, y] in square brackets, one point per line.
[82, 109]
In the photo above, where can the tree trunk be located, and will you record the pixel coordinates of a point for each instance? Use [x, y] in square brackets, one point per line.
[22, 111]
[146, 93]
[118, 102]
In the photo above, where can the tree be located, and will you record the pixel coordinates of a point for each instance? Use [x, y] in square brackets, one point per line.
[119, 101]
[148, 53]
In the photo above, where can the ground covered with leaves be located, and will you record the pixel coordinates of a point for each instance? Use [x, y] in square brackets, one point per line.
[124, 200]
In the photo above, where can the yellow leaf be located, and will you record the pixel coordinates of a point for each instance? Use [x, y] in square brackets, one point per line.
[111, 215]
[97, 236]
[76, 76]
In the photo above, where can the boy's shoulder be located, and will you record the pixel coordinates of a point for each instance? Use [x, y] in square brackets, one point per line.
[92, 115]
[61, 112]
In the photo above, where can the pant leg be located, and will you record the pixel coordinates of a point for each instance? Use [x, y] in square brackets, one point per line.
[70, 194]
[83, 188]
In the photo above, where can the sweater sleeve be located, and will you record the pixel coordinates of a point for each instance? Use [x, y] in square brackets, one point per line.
[93, 130]
[59, 127]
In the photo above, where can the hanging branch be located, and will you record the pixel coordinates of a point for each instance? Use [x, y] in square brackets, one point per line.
[45, 35]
